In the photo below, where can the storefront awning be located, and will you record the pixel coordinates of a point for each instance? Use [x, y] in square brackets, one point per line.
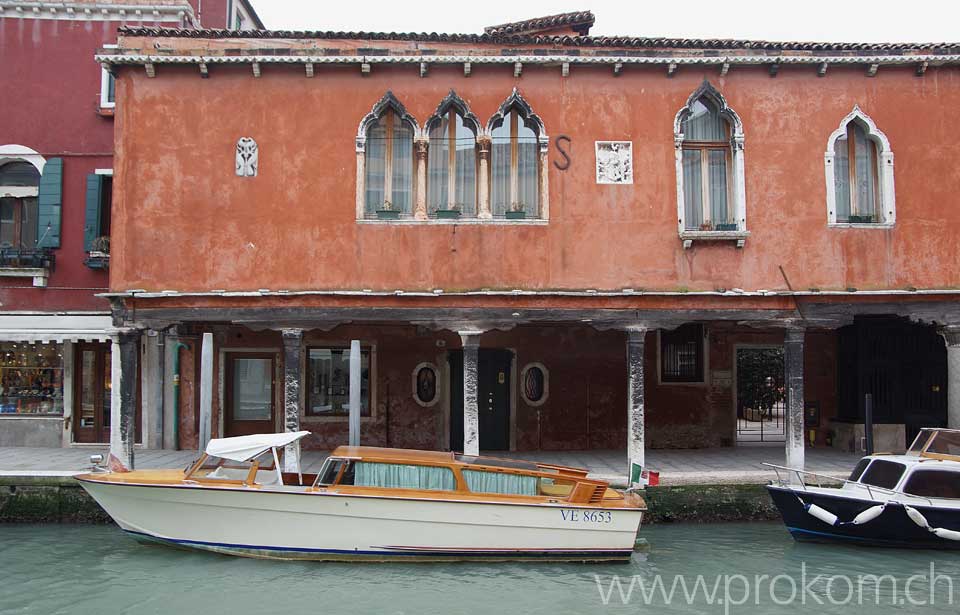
[55, 328]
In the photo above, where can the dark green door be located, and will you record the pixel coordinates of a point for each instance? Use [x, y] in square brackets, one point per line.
[493, 398]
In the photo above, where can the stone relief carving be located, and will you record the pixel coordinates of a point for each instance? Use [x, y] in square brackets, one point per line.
[247, 157]
[614, 162]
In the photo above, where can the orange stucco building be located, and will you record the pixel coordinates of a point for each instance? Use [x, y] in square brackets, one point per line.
[541, 239]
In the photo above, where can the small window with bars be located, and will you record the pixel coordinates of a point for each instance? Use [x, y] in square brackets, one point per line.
[681, 355]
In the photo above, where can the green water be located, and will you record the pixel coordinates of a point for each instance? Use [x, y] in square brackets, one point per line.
[78, 569]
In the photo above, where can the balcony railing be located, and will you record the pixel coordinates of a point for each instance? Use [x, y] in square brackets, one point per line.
[27, 258]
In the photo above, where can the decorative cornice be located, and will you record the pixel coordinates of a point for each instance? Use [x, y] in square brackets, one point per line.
[388, 101]
[516, 101]
[453, 101]
[706, 90]
[181, 14]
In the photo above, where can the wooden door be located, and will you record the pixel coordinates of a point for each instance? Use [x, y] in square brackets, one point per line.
[92, 393]
[249, 393]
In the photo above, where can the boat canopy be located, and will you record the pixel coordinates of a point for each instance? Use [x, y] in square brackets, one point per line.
[245, 448]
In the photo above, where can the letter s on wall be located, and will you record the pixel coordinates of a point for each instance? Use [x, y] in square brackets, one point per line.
[566, 158]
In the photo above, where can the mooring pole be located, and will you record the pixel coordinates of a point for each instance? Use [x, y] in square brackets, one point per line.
[868, 422]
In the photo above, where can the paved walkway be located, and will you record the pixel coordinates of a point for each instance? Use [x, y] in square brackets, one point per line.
[741, 465]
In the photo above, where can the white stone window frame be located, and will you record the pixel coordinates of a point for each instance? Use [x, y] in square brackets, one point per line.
[738, 196]
[438, 393]
[516, 102]
[105, 76]
[387, 102]
[421, 142]
[546, 384]
[887, 196]
[21, 153]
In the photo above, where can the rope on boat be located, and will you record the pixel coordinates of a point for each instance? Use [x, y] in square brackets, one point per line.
[917, 517]
[872, 513]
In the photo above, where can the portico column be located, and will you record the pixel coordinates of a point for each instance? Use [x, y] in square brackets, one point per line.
[471, 408]
[483, 181]
[292, 356]
[635, 409]
[793, 377]
[123, 399]
[951, 335]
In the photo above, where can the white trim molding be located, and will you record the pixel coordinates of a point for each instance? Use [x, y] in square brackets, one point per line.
[738, 196]
[179, 14]
[14, 153]
[105, 77]
[887, 196]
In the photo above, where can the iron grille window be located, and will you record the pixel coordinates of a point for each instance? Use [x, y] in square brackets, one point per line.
[681, 354]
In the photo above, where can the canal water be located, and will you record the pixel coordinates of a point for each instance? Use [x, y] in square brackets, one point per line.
[723, 568]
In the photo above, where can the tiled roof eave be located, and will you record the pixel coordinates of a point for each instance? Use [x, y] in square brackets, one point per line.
[653, 43]
[881, 59]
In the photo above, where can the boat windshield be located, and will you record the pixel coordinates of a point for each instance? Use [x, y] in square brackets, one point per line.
[882, 473]
[944, 443]
[858, 471]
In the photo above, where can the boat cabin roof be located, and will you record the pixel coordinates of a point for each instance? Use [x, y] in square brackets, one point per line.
[245, 448]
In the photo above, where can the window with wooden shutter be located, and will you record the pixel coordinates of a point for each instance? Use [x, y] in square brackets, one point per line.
[49, 204]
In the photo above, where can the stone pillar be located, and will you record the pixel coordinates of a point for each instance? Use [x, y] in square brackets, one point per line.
[793, 378]
[635, 406]
[152, 390]
[206, 391]
[951, 335]
[292, 356]
[171, 346]
[123, 399]
[421, 147]
[471, 408]
[483, 179]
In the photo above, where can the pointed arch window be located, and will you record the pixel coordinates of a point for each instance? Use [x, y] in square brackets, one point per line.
[515, 164]
[385, 162]
[708, 136]
[859, 174]
[452, 162]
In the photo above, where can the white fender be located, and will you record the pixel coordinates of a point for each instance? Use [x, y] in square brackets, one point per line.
[917, 517]
[824, 515]
[868, 515]
[947, 534]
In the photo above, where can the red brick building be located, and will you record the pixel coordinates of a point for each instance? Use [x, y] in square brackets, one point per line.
[542, 239]
[56, 168]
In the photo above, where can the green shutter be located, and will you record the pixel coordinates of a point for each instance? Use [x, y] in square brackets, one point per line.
[49, 203]
[91, 224]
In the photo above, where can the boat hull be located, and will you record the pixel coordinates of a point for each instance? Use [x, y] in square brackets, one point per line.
[893, 528]
[329, 526]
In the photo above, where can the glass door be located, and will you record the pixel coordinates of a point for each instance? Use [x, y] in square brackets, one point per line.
[249, 393]
[92, 413]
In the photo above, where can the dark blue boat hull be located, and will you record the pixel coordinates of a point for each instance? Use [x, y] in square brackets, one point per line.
[893, 528]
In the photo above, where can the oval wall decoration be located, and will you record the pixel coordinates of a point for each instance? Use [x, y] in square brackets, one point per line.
[534, 384]
[426, 391]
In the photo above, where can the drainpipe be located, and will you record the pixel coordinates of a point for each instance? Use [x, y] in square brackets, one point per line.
[176, 394]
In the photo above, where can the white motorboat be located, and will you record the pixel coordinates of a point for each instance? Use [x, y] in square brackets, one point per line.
[371, 503]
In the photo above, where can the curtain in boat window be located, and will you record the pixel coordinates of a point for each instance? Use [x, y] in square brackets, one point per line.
[399, 476]
[480, 481]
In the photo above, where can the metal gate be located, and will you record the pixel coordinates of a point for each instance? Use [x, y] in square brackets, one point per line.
[761, 397]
